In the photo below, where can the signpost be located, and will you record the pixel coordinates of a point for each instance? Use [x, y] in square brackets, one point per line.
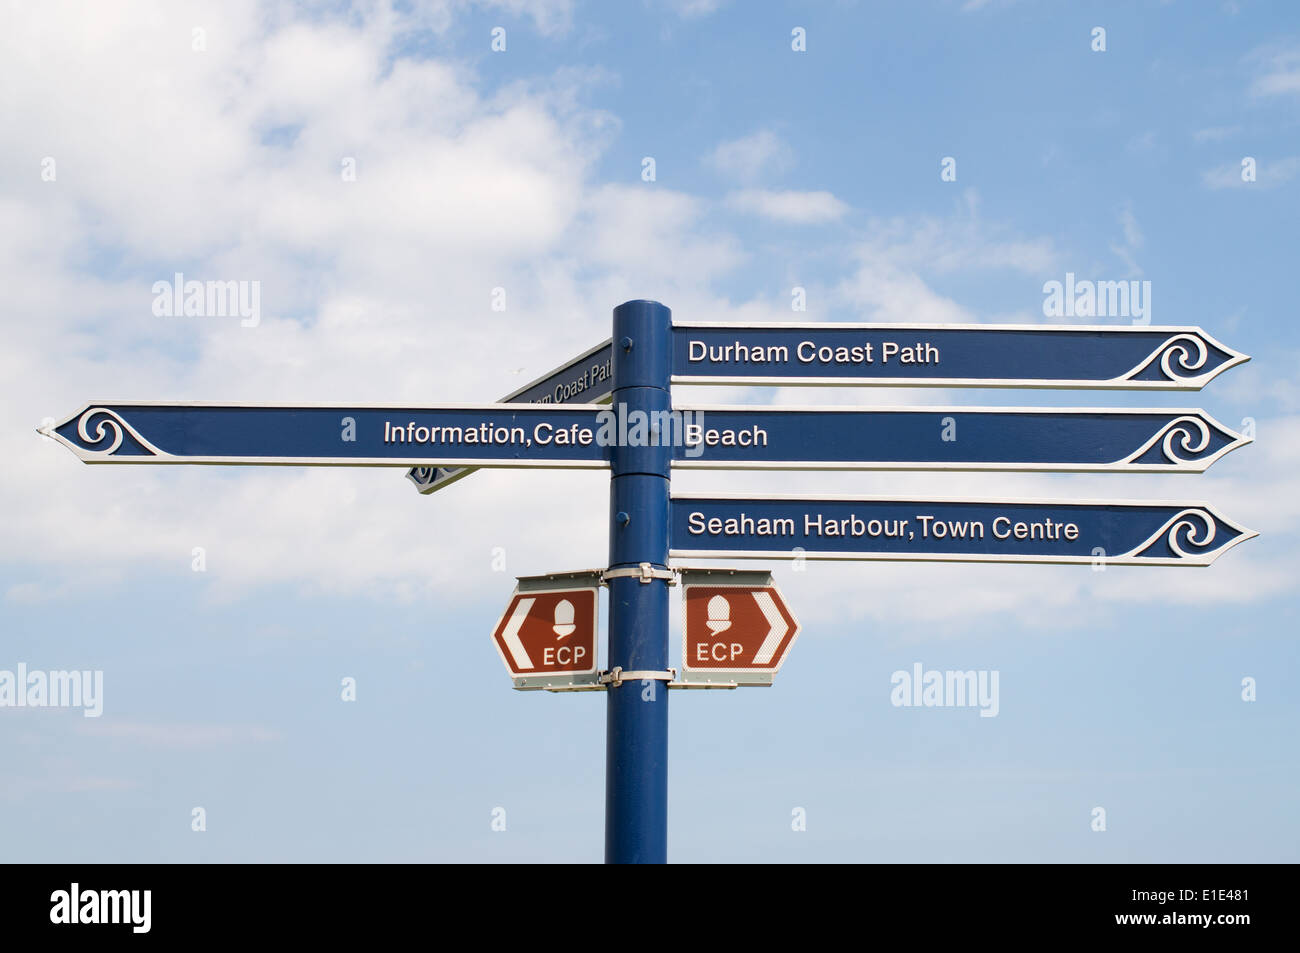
[953, 438]
[737, 628]
[547, 635]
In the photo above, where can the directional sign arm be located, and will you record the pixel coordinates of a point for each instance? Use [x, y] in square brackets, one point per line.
[1146, 533]
[950, 355]
[953, 438]
[525, 435]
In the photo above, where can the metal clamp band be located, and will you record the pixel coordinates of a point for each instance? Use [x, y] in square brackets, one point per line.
[645, 572]
[704, 685]
[616, 676]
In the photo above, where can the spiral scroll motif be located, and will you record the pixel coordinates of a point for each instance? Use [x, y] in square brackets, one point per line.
[99, 425]
[1188, 534]
[1178, 349]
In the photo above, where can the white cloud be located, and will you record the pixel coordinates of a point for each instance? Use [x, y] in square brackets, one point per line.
[1132, 231]
[163, 735]
[549, 17]
[795, 208]
[880, 290]
[652, 236]
[972, 6]
[1215, 133]
[895, 256]
[960, 242]
[692, 9]
[1144, 143]
[1132, 242]
[1278, 72]
[750, 157]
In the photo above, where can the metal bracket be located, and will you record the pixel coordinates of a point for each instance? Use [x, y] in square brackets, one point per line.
[566, 689]
[580, 578]
[645, 572]
[558, 682]
[726, 680]
[616, 676]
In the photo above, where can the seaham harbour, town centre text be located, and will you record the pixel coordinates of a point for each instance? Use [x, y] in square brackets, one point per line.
[922, 525]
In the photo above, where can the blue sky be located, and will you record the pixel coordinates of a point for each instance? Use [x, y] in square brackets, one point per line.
[522, 170]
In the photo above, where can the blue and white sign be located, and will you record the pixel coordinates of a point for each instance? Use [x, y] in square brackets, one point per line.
[1017, 531]
[952, 438]
[495, 435]
[949, 355]
[584, 380]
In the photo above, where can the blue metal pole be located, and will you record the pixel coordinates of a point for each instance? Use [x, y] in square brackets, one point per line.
[636, 735]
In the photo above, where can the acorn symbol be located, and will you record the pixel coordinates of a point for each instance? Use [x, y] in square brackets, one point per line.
[564, 616]
[719, 615]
